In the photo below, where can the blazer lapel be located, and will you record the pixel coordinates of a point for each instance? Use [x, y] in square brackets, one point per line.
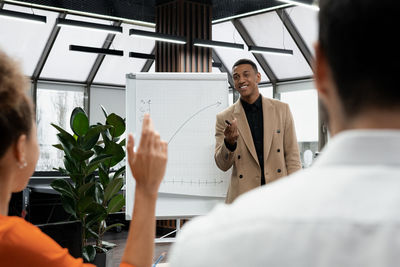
[269, 122]
[244, 129]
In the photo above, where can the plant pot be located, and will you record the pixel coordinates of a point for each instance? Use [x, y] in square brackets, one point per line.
[104, 259]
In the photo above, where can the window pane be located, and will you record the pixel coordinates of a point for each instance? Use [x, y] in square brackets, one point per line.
[101, 96]
[268, 30]
[226, 32]
[304, 107]
[54, 106]
[25, 40]
[266, 91]
[114, 69]
[306, 21]
[72, 65]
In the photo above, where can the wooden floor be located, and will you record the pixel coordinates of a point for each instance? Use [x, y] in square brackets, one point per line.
[120, 240]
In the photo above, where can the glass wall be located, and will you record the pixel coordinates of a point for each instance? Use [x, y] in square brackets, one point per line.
[304, 107]
[55, 103]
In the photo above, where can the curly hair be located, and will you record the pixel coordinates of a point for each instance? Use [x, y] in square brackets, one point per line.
[16, 108]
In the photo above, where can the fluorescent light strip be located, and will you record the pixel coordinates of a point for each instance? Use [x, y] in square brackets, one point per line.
[311, 6]
[213, 44]
[270, 50]
[250, 13]
[22, 16]
[141, 55]
[88, 25]
[96, 50]
[158, 36]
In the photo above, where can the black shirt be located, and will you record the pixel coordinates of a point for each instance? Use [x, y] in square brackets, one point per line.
[254, 115]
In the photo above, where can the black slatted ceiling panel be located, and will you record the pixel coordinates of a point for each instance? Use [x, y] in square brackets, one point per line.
[144, 10]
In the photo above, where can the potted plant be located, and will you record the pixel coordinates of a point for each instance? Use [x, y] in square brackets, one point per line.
[88, 197]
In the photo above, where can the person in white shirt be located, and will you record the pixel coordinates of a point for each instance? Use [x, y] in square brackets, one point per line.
[345, 209]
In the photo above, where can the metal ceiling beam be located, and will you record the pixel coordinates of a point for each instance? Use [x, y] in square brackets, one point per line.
[97, 63]
[47, 49]
[294, 33]
[260, 59]
[223, 67]
[146, 67]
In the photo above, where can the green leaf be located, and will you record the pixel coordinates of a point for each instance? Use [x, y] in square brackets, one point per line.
[69, 165]
[106, 137]
[89, 178]
[116, 203]
[121, 171]
[69, 205]
[104, 111]
[79, 121]
[89, 253]
[92, 233]
[104, 179]
[92, 136]
[94, 163]
[67, 142]
[84, 188]
[77, 177]
[96, 214]
[62, 131]
[84, 203]
[98, 193]
[113, 188]
[98, 149]
[116, 151]
[80, 155]
[118, 125]
[61, 170]
[59, 146]
[64, 187]
[122, 143]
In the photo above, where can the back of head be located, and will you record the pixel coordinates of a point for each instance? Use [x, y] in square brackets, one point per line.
[16, 112]
[358, 39]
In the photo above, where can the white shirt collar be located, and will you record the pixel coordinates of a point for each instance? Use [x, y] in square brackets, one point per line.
[356, 147]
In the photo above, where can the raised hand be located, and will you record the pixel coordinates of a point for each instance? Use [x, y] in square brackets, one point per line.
[149, 162]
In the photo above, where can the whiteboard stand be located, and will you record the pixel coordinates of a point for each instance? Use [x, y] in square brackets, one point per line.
[165, 239]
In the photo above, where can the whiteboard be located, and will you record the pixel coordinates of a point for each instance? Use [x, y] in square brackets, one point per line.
[183, 107]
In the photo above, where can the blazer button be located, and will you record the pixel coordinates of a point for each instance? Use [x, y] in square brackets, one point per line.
[238, 156]
[278, 150]
[278, 131]
[279, 170]
[240, 176]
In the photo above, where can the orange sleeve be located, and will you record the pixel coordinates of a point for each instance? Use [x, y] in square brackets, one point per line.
[23, 244]
[126, 265]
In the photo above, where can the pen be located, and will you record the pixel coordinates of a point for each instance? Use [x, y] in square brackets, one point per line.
[159, 259]
[228, 122]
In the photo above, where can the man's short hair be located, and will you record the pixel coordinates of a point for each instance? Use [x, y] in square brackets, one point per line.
[245, 61]
[357, 38]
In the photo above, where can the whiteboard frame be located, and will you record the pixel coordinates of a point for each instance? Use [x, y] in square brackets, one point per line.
[185, 206]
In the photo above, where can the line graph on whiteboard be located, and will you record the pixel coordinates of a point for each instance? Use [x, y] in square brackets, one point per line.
[187, 123]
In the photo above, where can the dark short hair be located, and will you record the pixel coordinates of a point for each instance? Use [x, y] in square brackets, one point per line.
[358, 39]
[16, 109]
[245, 61]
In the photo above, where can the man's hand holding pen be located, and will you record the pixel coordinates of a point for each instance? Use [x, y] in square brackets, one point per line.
[231, 132]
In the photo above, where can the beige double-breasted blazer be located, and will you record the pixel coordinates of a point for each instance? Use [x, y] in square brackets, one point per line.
[281, 151]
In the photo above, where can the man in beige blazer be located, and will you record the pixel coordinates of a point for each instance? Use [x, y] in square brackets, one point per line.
[256, 135]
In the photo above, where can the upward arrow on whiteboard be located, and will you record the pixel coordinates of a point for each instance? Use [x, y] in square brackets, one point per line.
[191, 117]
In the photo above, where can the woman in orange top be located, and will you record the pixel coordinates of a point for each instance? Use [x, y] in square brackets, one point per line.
[23, 244]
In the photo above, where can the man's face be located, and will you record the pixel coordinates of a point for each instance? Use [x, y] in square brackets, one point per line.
[246, 81]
